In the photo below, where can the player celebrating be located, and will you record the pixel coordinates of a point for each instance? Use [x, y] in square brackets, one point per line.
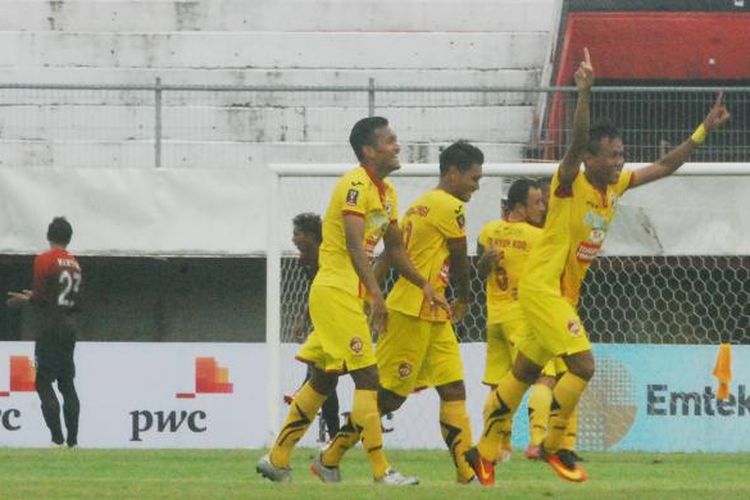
[362, 210]
[581, 207]
[503, 247]
[419, 347]
[57, 282]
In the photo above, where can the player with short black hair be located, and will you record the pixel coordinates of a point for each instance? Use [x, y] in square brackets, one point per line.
[363, 209]
[55, 296]
[418, 348]
[582, 205]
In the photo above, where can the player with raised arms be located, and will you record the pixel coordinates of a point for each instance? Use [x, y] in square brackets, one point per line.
[582, 205]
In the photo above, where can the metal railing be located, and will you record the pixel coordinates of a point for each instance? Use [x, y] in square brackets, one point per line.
[195, 125]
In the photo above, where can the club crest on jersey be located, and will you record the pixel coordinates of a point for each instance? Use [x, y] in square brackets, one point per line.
[351, 197]
[404, 370]
[574, 327]
[356, 345]
[388, 208]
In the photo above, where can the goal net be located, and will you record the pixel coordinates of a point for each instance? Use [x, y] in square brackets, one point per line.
[674, 270]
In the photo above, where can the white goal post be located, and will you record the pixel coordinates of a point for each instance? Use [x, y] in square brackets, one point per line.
[652, 237]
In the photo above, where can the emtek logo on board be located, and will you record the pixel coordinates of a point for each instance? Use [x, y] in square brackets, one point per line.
[661, 402]
[210, 378]
[22, 376]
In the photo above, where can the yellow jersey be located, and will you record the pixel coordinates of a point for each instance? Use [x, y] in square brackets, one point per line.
[577, 222]
[360, 193]
[513, 241]
[428, 224]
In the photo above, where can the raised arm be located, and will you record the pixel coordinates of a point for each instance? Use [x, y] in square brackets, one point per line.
[667, 164]
[571, 162]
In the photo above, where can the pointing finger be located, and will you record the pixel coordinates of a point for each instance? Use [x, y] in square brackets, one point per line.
[587, 56]
[719, 98]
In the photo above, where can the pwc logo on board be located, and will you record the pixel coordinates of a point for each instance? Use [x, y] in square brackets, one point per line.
[210, 378]
[22, 379]
[22, 375]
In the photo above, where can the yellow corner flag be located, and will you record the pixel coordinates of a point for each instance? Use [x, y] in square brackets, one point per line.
[723, 370]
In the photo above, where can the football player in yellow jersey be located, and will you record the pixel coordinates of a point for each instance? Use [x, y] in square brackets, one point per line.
[540, 395]
[419, 347]
[362, 210]
[503, 247]
[581, 207]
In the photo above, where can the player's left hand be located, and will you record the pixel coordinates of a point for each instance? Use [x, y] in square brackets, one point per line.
[458, 309]
[435, 300]
[16, 299]
[718, 115]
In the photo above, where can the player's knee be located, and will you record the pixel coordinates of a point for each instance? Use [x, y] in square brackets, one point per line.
[366, 379]
[583, 368]
[322, 382]
[455, 391]
[525, 370]
[68, 391]
[546, 380]
[43, 384]
[389, 401]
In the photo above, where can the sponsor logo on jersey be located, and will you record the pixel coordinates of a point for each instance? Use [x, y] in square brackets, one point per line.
[587, 251]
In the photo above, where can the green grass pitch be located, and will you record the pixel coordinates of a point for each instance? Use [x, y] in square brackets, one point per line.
[82, 473]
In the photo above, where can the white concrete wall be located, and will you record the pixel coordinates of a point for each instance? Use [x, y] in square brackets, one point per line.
[262, 42]
[274, 15]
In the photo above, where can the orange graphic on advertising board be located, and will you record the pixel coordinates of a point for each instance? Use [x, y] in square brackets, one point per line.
[22, 375]
[210, 378]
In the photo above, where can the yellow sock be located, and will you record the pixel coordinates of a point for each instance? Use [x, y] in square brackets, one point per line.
[302, 412]
[456, 430]
[498, 414]
[346, 439]
[365, 416]
[565, 397]
[540, 399]
[571, 432]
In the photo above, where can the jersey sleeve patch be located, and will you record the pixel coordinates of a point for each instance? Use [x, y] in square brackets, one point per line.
[352, 196]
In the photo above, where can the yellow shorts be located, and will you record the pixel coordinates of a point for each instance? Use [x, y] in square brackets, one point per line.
[414, 353]
[501, 351]
[554, 367]
[554, 326]
[341, 339]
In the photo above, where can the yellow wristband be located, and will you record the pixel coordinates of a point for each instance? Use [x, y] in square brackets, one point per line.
[700, 134]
